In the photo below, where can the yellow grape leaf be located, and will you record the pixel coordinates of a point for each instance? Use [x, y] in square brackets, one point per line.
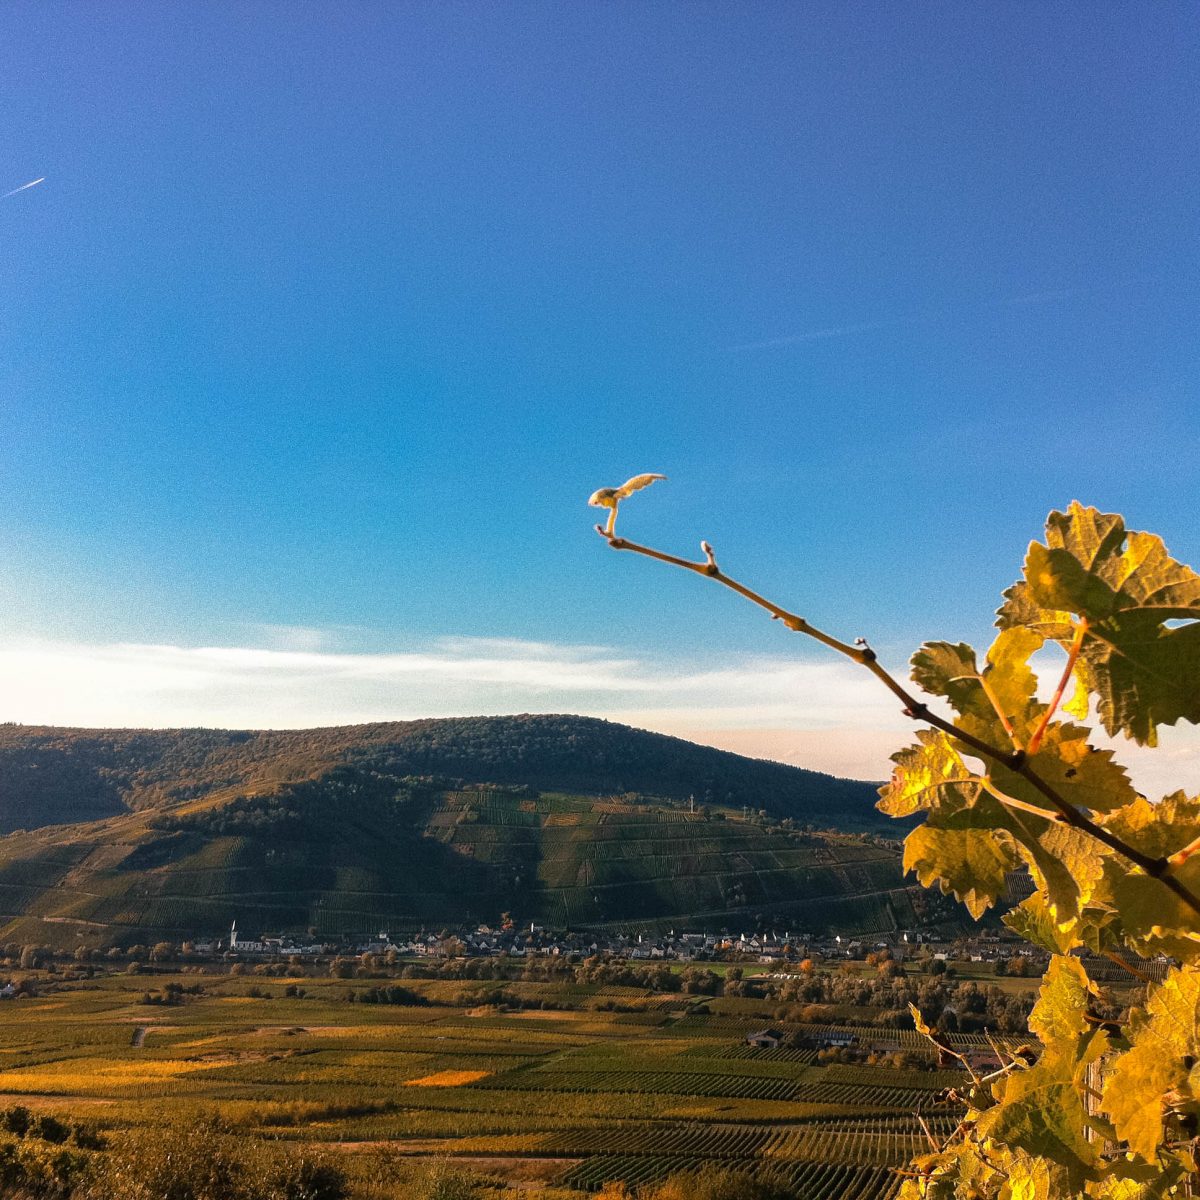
[1041, 1112]
[1082, 775]
[1154, 919]
[951, 670]
[930, 775]
[1159, 830]
[1058, 1016]
[919, 1023]
[1031, 920]
[957, 1171]
[1153, 1183]
[1143, 671]
[1165, 1046]
[966, 852]
[1010, 677]
[1080, 703]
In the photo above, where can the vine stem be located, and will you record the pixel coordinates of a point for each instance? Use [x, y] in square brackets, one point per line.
[1114, 957]
[994, 701]
[1016, 761]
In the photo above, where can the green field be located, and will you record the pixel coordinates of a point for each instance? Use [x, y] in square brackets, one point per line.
[562, 1101]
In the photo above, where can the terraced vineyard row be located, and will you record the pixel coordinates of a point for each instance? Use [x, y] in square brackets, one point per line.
[854, 1073]
[940, 1123]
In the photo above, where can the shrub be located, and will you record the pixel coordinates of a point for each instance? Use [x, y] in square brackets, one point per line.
[202, 1161]
[719, 1183]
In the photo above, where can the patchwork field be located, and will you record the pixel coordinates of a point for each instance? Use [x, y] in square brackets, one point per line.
[562, 1101]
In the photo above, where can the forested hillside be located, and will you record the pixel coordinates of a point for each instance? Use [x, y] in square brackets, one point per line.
[50, 776]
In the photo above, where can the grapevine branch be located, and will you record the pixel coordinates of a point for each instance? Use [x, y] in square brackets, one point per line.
[1016, 761]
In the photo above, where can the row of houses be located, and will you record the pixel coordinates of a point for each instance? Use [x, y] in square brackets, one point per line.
[775, 947]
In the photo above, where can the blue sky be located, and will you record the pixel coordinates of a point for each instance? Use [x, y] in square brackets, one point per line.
[320, 331]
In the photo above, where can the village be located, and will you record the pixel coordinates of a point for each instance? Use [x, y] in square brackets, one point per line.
[997, 950]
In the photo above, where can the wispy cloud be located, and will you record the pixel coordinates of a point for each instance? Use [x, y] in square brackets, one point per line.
[138, 684]
[823, 714]
[961, 312]
[820, 335]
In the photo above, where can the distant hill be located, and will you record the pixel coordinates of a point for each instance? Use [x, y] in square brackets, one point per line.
[566, 820]
[50, 775]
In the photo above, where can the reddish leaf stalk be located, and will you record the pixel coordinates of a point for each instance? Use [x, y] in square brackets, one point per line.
[1081, 629]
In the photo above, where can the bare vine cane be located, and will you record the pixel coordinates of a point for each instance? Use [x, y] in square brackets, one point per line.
[1015, 760]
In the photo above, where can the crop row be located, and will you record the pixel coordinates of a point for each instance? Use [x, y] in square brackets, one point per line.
[821, 1144]
[809, 1180]
[791, 1054]
[670, 1083]
[909, 1039]
[864, 1095]
[838, 1181]
[702, 1025]
[852, 1073]
[702, 1141]
[814, 1143]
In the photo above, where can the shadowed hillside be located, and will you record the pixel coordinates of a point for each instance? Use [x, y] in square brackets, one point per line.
[358, 850]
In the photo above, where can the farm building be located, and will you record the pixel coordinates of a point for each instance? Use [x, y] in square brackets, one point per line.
[765, 1039]
[828, 1039]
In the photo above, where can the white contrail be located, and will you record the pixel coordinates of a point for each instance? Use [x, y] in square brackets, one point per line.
[31, 183]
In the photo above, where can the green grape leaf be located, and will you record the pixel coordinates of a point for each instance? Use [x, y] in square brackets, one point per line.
[930, 775]
[1165, 1046]
[1153, 919]
[969, 842]
[1142, 671]
[950, 670]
